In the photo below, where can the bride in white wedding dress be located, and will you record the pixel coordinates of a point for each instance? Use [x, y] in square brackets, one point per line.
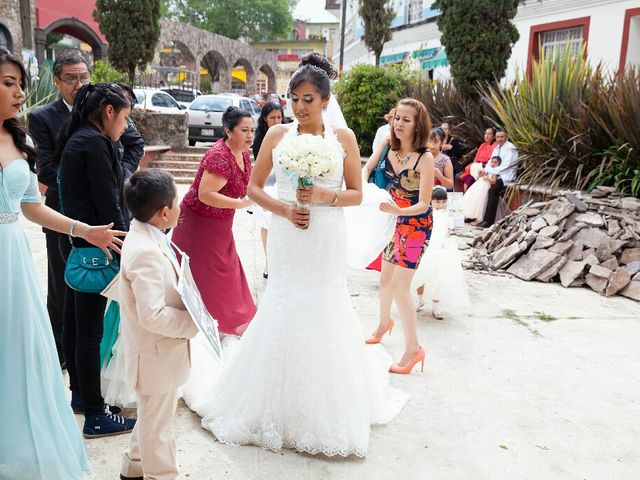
[302, 377]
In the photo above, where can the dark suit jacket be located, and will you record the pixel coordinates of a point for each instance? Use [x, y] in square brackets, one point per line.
[44, 126]
[91, 179]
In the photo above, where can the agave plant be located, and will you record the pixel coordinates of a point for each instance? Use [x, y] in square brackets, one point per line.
[40, 91]
[467, 118]
[620, 168]
[557, 118]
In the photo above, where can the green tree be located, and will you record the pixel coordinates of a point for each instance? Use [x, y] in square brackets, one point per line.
[103, 72]
[132, 29]
[478, 36]
[252, 19]
[376, 16]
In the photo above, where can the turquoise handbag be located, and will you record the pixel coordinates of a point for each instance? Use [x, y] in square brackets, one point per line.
[89, 270]
[377, 175]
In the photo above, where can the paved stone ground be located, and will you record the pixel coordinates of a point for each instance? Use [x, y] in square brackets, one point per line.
[538, 382]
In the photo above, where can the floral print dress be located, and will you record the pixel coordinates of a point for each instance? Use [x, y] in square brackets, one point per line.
[412, 232]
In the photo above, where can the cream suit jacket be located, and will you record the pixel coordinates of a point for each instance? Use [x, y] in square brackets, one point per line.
[155, 323]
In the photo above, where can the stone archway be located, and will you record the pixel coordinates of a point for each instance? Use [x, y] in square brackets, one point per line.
[207, 49]
[250, 84]
[272, 83]
[74, 27]
[5, 38]
[219, 71]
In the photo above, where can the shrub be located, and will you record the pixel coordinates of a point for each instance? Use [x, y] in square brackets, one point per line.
[468, 119]
[40, 91]
[365, 94]
[104, 72]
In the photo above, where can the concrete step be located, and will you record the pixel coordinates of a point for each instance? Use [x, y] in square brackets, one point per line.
[170, 164]
[180, 157]
[183, 180]
[180, 172]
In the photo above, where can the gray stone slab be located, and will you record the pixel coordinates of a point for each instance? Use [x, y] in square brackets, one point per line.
[590, 218]
[505, 256]
[543, 242]
[529, 266]
[597, 284]
[591, 260]
[550, 231]
[579, 205]
[591, 237]
[551, 272]
[632, 291]
[601, 272]
[562, 247]
[538, 224]
[611, 264]
[632, 268]
[630, 255]
[619, 280]
[571, 271]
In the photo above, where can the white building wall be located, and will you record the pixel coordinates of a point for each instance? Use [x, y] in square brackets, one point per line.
[605, 28]
[605, 32]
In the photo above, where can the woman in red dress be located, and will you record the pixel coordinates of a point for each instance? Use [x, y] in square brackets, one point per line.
[483, 155]
[204, 229]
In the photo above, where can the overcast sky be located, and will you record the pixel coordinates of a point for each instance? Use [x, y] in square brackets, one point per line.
[309, 9]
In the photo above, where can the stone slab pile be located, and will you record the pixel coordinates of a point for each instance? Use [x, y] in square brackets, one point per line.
[576, 239]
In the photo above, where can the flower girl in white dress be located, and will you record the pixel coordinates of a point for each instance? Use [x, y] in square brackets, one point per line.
[440, 269]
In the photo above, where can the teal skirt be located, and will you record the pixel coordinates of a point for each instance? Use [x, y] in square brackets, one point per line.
[39, 436]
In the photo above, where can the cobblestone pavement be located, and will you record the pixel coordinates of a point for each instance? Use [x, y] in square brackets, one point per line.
[537, 382]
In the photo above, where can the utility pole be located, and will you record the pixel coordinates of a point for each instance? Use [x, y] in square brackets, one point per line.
[342, 29]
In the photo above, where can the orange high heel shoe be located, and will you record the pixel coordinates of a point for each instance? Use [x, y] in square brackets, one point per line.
[374, 340]
[420, 356]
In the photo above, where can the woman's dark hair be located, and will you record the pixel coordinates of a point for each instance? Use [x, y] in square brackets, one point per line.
[232, 117]
[317, 70]
[147, 191]
[493, 131]
[14, 127]
[261, 131]
[126, 88]
[439, 193]
[90, 102]
[437, 133]
[423, 126]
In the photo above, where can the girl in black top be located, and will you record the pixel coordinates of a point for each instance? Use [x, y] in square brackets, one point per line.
[91, 180]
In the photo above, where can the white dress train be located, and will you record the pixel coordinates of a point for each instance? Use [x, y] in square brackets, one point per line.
[301, 377]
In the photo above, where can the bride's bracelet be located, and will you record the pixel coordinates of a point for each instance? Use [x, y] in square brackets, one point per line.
[335, 201]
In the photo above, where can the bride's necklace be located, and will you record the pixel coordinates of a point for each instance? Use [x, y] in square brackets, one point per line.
[402, 160]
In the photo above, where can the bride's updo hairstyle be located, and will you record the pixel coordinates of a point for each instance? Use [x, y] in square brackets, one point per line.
[317, 70]
[232, 117]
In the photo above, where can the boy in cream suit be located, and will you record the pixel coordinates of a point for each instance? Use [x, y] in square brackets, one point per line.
[156, 326]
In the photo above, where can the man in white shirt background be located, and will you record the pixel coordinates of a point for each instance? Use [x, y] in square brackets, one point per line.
[505, 174]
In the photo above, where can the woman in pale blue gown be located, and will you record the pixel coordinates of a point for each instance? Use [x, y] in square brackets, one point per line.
[39, 436]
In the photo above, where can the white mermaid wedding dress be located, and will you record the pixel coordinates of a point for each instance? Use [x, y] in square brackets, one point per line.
[301, 376]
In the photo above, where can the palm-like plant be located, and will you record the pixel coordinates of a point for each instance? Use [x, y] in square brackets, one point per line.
[40, 91]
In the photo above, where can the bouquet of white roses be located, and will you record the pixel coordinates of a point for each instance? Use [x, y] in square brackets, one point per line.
[308, 157]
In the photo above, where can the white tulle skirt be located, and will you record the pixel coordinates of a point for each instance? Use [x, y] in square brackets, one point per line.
[301, 377]
[116, 390]
[440, 269]
[475, 199]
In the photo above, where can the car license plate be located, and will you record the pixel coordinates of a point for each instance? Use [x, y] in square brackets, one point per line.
[208, 132]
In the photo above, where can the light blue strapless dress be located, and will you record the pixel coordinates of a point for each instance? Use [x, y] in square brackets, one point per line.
[39, 436]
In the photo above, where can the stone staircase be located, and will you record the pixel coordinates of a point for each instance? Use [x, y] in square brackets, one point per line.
[182, 164]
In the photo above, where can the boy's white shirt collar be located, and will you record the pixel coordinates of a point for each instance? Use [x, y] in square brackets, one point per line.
[161, 239]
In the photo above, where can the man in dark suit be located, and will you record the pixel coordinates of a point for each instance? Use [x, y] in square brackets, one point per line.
[70, 73]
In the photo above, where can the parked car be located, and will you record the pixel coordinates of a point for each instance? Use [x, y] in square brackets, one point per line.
[288, 111]
[156, 100]
[205, 115]
[260, 98]
[184, 96]
[274, 97]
